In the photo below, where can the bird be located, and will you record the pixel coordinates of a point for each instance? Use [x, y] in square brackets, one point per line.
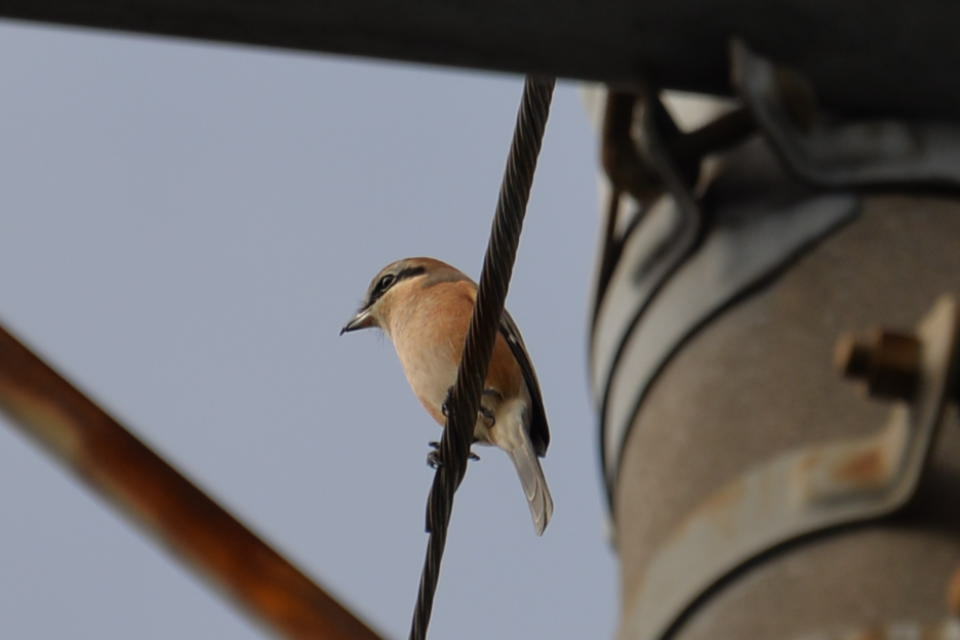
[424, 306]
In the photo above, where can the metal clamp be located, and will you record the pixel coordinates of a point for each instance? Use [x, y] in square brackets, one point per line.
[813, 488]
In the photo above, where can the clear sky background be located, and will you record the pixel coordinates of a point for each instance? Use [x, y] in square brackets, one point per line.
[184, 228]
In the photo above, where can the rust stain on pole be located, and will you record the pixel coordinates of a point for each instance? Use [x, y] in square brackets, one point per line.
[865, 468]
[953, 594]
[154, 495]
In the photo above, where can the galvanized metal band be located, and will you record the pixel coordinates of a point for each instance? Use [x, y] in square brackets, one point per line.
[760, 221]
[801, 492]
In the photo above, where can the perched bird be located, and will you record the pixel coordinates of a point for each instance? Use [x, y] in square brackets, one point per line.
[425, 306]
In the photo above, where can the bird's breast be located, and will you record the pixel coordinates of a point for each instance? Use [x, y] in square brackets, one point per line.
[428, 332]
[431, 373]
[429, 340]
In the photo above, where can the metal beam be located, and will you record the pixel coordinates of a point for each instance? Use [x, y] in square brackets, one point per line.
[881, 56]
[155, 496]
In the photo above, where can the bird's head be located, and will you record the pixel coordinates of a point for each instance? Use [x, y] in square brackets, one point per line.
[396, 282]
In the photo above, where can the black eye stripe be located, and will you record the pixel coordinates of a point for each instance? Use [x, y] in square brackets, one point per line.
[384, 283]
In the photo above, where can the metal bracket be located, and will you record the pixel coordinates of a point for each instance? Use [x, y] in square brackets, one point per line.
[806, 490]
[629, 163]
[842, 152]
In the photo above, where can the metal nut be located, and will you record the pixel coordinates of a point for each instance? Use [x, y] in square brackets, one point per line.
[888, 361]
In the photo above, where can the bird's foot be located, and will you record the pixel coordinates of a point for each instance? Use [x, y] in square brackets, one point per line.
[488, 417]
[435, 460]
[487, 414]
[445, 407]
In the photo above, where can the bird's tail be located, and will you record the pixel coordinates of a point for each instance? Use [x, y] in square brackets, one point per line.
[534, 483]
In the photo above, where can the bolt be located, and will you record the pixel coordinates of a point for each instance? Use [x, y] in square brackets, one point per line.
[888, 361]
[852, 357]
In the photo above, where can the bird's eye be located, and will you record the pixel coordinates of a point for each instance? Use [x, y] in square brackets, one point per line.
[385, 282]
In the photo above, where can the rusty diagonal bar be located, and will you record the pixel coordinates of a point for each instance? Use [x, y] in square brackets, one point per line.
[164, 503]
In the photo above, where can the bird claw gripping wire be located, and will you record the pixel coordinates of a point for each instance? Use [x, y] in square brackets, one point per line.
[435, 460]
[489, 418]
[445, 407]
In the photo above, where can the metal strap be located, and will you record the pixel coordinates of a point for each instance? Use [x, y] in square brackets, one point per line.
[804, 491]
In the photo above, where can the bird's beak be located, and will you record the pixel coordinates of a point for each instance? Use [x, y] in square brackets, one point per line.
[362, 320]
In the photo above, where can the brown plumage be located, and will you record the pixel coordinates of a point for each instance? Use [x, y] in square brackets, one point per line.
[425, 306]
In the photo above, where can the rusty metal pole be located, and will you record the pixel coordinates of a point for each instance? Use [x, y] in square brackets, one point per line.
[154, 495]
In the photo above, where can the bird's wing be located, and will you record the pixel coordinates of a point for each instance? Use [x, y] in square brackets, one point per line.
[539, 432]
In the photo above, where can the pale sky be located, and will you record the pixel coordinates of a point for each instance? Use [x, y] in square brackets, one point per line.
[184, 228]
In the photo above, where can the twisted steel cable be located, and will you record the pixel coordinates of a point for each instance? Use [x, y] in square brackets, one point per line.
[484, 326]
